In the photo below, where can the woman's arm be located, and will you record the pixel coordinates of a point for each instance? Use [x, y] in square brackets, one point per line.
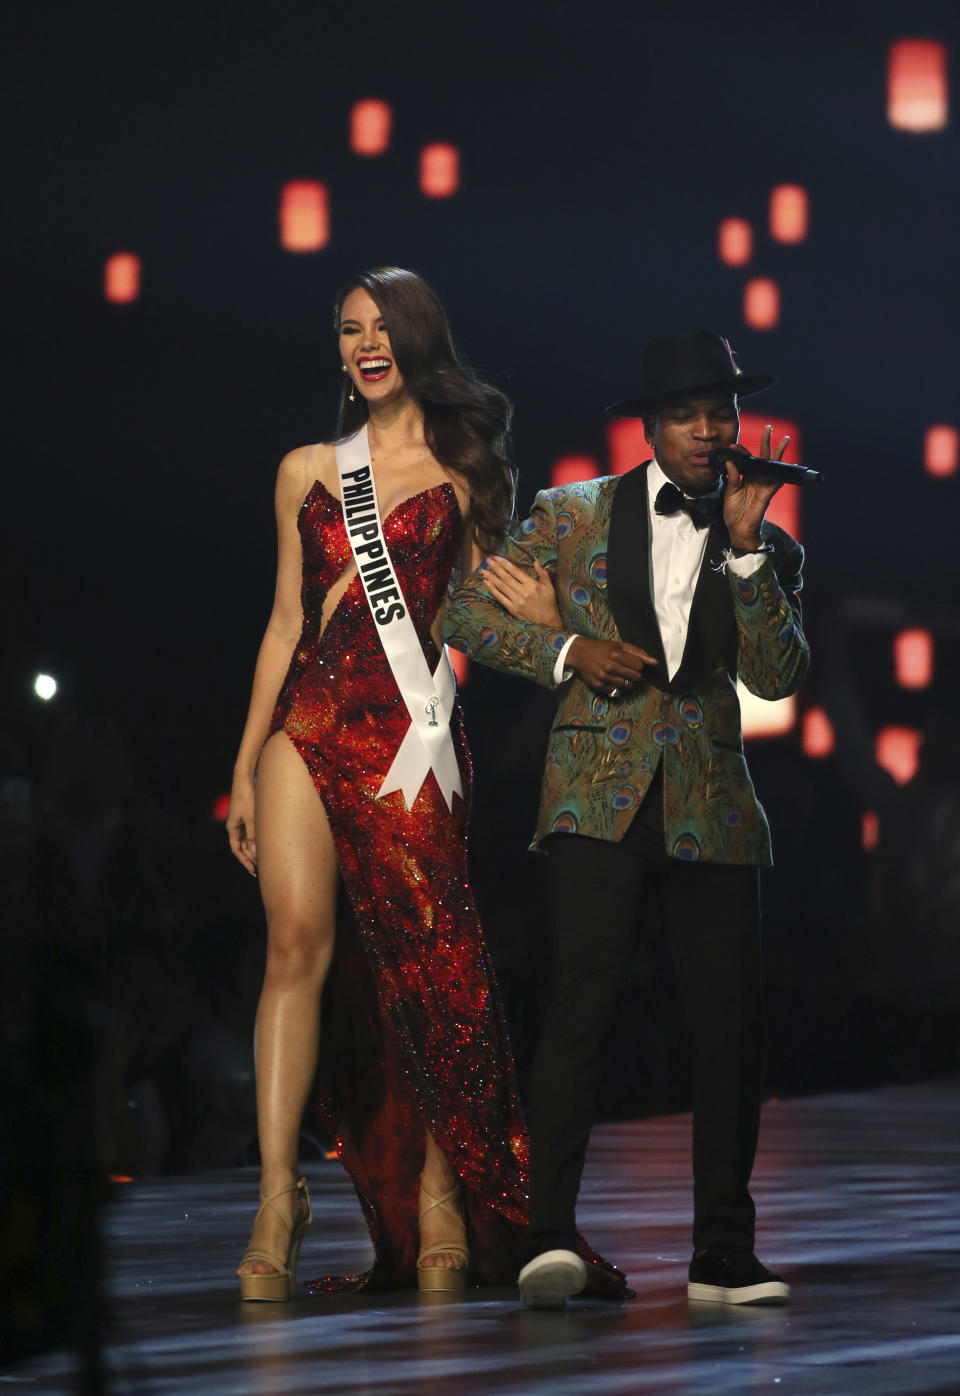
[524, 595]
[477, 625]
[470, 554]
[281, 635]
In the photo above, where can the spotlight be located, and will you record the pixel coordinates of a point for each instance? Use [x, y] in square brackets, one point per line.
[44, 686]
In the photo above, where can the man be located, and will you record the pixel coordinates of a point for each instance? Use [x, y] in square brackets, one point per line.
[669, 585]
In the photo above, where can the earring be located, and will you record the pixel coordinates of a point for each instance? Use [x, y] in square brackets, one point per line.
[351, 396]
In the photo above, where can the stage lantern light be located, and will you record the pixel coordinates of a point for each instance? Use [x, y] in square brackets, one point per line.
[626, 444]
[121, 278]
[817, 739]
[898, 752]
[941, 451]
[761, 303]
[913, 658]
[304, 216]
[371, 125]
[439, 170]
[917, 85]
[569, 469]
[789, 213]
[784, 508]
[869, 830]
[759, 717]
[735, 242]
[460, 663]
[220, 809]
[45, 687]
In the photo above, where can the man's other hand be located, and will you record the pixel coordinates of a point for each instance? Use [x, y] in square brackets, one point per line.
[609, 667]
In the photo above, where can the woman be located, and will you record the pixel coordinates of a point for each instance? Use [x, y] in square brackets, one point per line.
[415, 1076]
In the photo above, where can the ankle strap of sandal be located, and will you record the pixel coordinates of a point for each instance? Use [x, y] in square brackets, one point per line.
[299, 1186]
[444, 1201]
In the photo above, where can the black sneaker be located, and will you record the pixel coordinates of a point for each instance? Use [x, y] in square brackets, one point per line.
[735, 1278]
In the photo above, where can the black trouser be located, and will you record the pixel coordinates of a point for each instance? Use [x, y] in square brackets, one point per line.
[710, 914]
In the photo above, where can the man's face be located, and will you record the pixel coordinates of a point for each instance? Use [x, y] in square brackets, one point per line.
[683, 433]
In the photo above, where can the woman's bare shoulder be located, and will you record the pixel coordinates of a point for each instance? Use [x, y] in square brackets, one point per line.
[306, 464]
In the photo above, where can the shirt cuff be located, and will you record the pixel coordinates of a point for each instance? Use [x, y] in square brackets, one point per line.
[746, 566]
[560, 672]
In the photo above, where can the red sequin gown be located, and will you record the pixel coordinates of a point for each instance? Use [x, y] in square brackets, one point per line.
[413, 1034]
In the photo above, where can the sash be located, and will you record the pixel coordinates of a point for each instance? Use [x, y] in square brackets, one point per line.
[429, 698]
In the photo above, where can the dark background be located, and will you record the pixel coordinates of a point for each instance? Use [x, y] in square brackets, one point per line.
[600, 147]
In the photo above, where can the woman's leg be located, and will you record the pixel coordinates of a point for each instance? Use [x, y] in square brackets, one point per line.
[437, 1178]
[297, 869]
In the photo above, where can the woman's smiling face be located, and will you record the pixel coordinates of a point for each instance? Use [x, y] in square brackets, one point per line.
[365, 348]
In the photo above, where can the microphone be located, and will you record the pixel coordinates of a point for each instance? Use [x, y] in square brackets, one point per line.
[772, 469]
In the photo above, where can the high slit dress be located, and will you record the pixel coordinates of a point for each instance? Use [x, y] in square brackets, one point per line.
[412, 1031]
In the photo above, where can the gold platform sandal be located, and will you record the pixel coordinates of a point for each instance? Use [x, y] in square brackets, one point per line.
[442, 1277]
[279, 1286]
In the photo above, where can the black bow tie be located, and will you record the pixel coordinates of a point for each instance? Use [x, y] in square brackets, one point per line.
[703, 512]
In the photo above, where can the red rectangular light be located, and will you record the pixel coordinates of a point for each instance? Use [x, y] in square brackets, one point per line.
[304, 216]
[789, 213]
[626, 444]
[439, 170]
[918, 96]
[761, 303]
[817, 739]
[898, 751]
[913, 658]
[371, 125]
[568, 469]
[735, 242]
[941, 451]
[121, 278]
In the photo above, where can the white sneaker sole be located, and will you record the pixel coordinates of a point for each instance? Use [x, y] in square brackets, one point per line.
[770, 1292]
[548, 1281]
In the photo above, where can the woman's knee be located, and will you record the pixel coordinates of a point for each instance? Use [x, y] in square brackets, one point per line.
[298, 949]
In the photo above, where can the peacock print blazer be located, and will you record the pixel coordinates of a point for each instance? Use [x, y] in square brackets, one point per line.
[593, 538]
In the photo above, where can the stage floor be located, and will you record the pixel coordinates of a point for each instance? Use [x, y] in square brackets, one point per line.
[858, 1199]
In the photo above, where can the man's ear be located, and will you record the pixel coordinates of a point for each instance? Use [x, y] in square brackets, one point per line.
[649, 427]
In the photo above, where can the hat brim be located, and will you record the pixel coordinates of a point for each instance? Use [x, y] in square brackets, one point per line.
[741, 386]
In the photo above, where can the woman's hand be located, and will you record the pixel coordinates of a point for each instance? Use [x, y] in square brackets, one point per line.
[525, 597]
[240, 825]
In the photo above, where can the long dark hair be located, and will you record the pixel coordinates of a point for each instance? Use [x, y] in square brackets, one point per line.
[465, 422]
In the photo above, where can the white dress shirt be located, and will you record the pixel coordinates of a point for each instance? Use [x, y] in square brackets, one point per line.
[675, 559]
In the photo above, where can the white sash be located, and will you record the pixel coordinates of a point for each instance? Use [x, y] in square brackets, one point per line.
[429, 699]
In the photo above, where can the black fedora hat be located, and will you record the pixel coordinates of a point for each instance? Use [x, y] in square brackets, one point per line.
[689, 365]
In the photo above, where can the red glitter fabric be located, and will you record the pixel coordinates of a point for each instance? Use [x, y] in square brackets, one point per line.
[413, 1034]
